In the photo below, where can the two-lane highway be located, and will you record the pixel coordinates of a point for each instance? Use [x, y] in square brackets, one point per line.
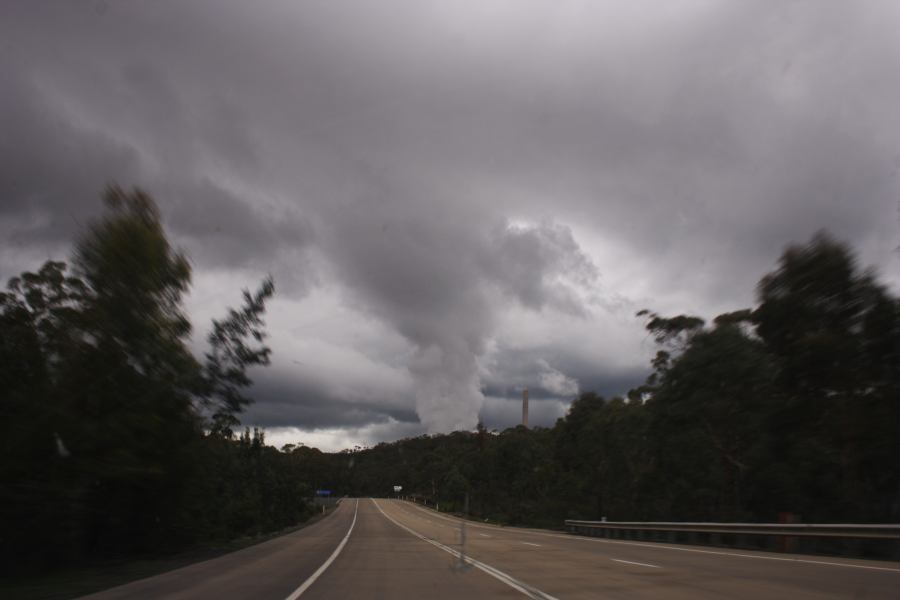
[384, 561]
[393, 549]
[354, 553]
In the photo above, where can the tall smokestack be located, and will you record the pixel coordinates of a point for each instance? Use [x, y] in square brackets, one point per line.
[525, 407]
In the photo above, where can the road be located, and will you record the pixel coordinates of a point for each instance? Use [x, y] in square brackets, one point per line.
[392, 549]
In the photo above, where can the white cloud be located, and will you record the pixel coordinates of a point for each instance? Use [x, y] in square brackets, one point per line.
[556, 382]
[335, 439]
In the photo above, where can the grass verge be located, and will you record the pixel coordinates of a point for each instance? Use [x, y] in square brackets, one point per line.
[74, 582]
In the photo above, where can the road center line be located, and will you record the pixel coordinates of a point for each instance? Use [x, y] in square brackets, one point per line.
[312, 578]
[531, 592]
[630, 562]
[531, 544]
[484, 535]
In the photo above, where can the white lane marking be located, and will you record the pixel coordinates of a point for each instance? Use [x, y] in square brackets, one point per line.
[484, 535]
[531, 592]
[631, 562]
[667, 547]
[530, 544]
[799, 560]
[312, 578]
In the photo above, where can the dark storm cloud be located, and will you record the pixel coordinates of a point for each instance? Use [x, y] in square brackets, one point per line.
[279, 403]
[229, 230]
[51, 169]
[499, 414]
[96, 105]
[554, 372]
[465, 174]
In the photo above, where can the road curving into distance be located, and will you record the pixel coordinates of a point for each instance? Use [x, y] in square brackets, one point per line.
[385, 549]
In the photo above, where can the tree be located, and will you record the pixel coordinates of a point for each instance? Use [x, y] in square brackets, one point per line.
[130, 392]
[836, 334]
[230, 356]
[674, 332]
[39, 336]
[579, 452]
[137, 281]
[103, 451]
[710, 409]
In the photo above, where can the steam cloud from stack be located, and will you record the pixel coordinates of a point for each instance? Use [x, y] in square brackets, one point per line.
[440, 281]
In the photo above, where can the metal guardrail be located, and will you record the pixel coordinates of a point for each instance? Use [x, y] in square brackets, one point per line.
[860, 540]
[861, 531]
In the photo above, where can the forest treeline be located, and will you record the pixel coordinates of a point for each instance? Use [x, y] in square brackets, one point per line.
[116, 440]
[790, 407]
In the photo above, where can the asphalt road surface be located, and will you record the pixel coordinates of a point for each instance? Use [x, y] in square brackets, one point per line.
[393, 549]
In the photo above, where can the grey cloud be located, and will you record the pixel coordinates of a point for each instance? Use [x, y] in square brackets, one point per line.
[280, 402]
[134, 123]
[430, 273]
[500, 413]
[545, 371]
[442, 163]
[230, 230]
[51, 169]
[556, 382]
[542, 266]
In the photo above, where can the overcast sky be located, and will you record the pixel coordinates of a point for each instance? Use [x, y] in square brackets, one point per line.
[456, 199]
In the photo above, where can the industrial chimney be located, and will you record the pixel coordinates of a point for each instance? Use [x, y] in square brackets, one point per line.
[525, 407]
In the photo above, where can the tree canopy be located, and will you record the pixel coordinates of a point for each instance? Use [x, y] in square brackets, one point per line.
[116, 438]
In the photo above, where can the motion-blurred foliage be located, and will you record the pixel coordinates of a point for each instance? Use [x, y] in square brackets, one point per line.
[115, 439]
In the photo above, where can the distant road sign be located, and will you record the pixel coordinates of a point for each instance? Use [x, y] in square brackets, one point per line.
[398, 488]
[323, 492]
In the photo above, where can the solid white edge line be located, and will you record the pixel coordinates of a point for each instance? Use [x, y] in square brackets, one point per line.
[509, 580]
[657, 546]
[631, 562]
[312, 578]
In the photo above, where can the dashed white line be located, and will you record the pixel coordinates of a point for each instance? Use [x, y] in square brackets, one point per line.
[312, 578]
[630, 562]
[531, 544]
[485, 535]
[521, 586]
